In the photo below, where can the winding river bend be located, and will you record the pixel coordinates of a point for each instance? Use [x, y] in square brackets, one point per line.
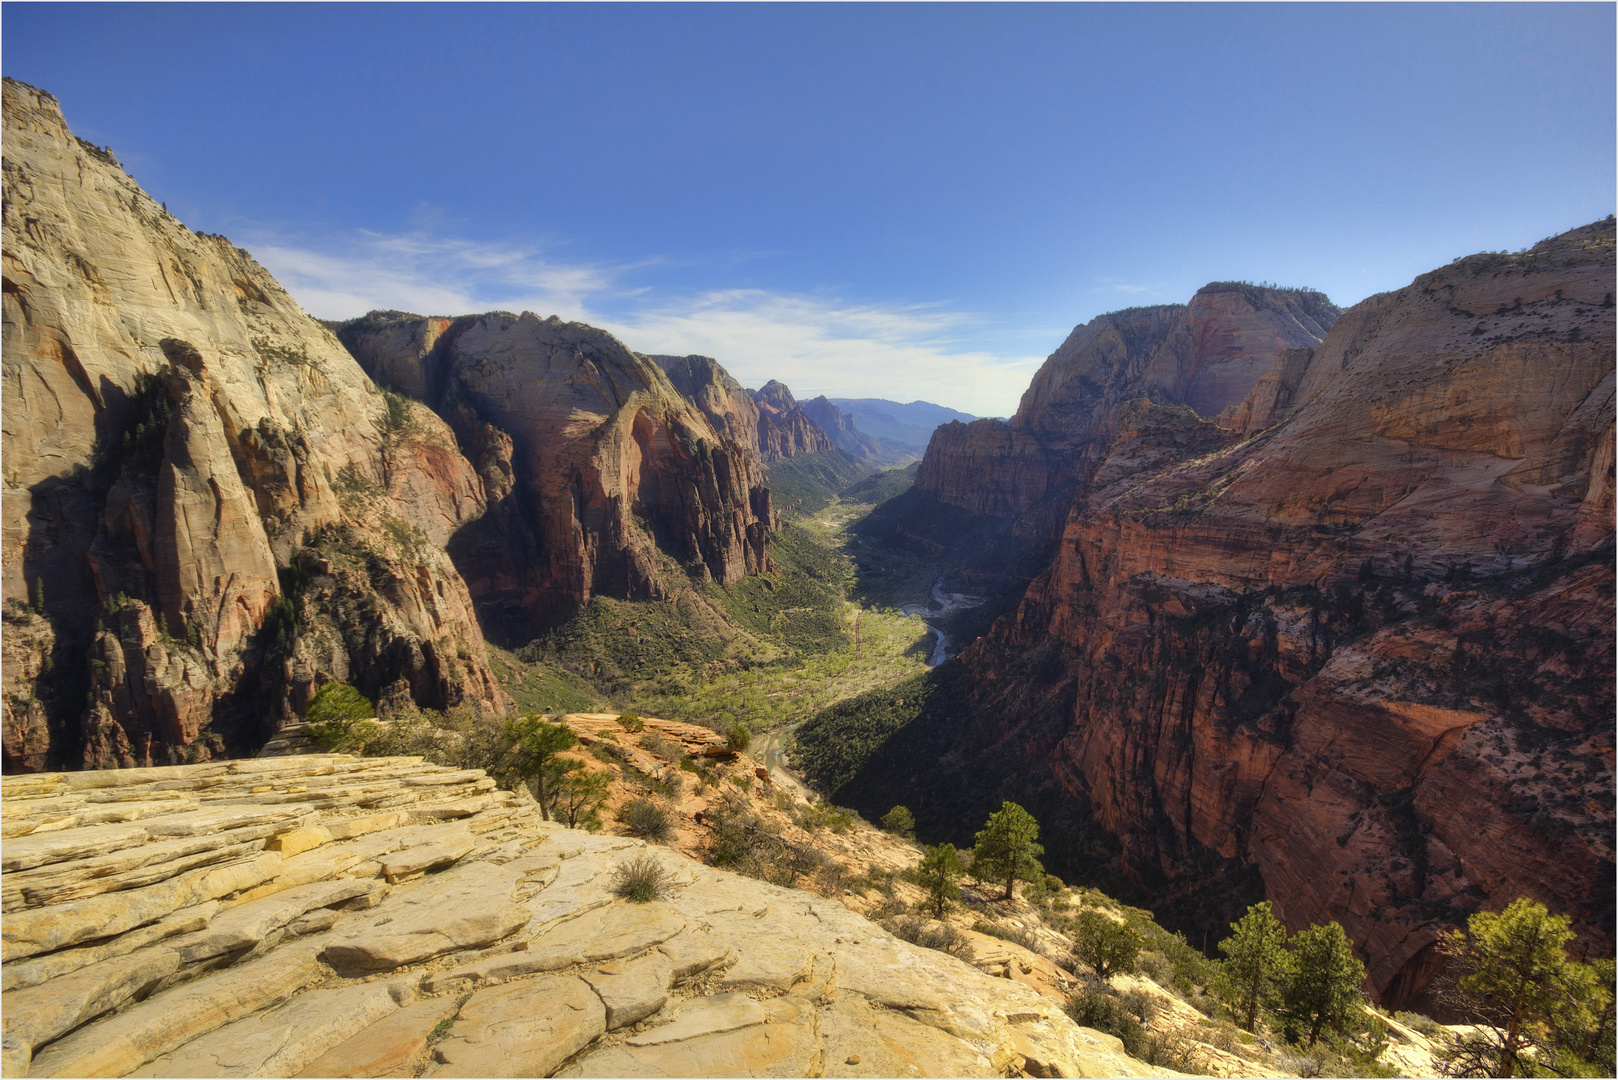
[948, 603]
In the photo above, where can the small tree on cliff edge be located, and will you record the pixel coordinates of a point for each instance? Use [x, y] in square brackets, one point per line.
[938, 873]
[538, 742]
[1007, 849]
[1518, 986]
[1323, 987]
[1256, 963]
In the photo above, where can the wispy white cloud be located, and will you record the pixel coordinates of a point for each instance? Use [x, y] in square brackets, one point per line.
[815, 344]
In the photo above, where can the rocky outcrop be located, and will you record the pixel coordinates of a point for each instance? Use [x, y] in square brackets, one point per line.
[848, 438]
[1207, 354]
[331, 916]
[613, 473]
[176, 432]
[1359, 662]
[768, 420]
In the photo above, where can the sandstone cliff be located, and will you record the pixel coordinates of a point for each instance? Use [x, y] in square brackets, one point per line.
[840, 428]
[177, 435]
[331, 916]
[1360, 662]
[768, 420]
[1025, 472]
[602, 475]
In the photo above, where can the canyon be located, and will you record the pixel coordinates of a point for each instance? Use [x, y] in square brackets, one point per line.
[1294, 603]
[1345, 643]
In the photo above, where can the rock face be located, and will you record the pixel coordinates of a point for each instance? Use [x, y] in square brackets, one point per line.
[848, 438]
[178, 434]
[331, 916]
[599, 470]
[769, 420]
[1206, 354]
[1360, 662]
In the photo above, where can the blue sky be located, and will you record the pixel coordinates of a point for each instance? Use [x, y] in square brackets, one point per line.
[906, 201]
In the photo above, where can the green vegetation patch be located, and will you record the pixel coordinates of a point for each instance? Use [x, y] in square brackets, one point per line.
[885, 485]
[832, 745]
[808, 483]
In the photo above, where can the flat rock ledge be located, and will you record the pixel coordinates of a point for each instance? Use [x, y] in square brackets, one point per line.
[324, 915]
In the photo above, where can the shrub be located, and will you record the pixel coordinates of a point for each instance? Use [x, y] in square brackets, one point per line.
[333, 713]
[641, 879]
[631, 721]
[1109, 947]
[646, 819]
[1092, 1005]
[656, 745]
[941, 936]
[738, 737]
[901, 821]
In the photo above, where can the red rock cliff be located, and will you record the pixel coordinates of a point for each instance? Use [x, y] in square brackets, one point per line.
[770, 422]
[614, 476]
[1367, 651]
[177, 432]
[1206, 354]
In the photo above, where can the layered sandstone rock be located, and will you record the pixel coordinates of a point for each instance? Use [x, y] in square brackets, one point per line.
[612, 472]
[768, 420]
[1359, 662]
[848, 438]
[176, 431]
[332, 916]
[1206, 354]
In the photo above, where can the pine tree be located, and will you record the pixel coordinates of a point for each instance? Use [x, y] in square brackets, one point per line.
[579, 795]
[900, 820]
[1518, 986]
[1107, 945]
[538, 743]
[1323, 987]
[938, 873]
[1256, 962]
[1006, 848]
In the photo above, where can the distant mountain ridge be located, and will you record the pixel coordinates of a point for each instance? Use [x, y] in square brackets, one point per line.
[908, 424]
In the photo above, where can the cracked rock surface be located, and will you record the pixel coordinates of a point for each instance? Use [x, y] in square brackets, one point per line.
[322, 915]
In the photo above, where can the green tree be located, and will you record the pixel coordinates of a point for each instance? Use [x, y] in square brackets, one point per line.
[1107, 945]
[39, 596]
[538, 742]
[333, 712]
[738, 737]
[579, 795]
[1007, 848]
[900, 820]
[1517, 985]
[1256, 963]
[1323, 985]
[939, 872]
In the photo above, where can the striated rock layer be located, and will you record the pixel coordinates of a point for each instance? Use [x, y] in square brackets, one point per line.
[768, 420]
[1359, 662]
[600, 472]
[323, 915]
[178, 435]
[1024, 473]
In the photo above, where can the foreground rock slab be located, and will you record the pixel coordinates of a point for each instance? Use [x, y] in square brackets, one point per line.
[455, 936]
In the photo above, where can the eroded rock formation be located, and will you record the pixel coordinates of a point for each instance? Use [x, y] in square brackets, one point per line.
[768, 420]
[610, 475]
[323, 915]
[1026, 471]
[178, 436]
[1359, 661]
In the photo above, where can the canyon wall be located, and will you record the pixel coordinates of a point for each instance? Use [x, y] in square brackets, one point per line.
[603, 478]
[201, 486]
[1024, 473]
[769, 420]
[1358, 661]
